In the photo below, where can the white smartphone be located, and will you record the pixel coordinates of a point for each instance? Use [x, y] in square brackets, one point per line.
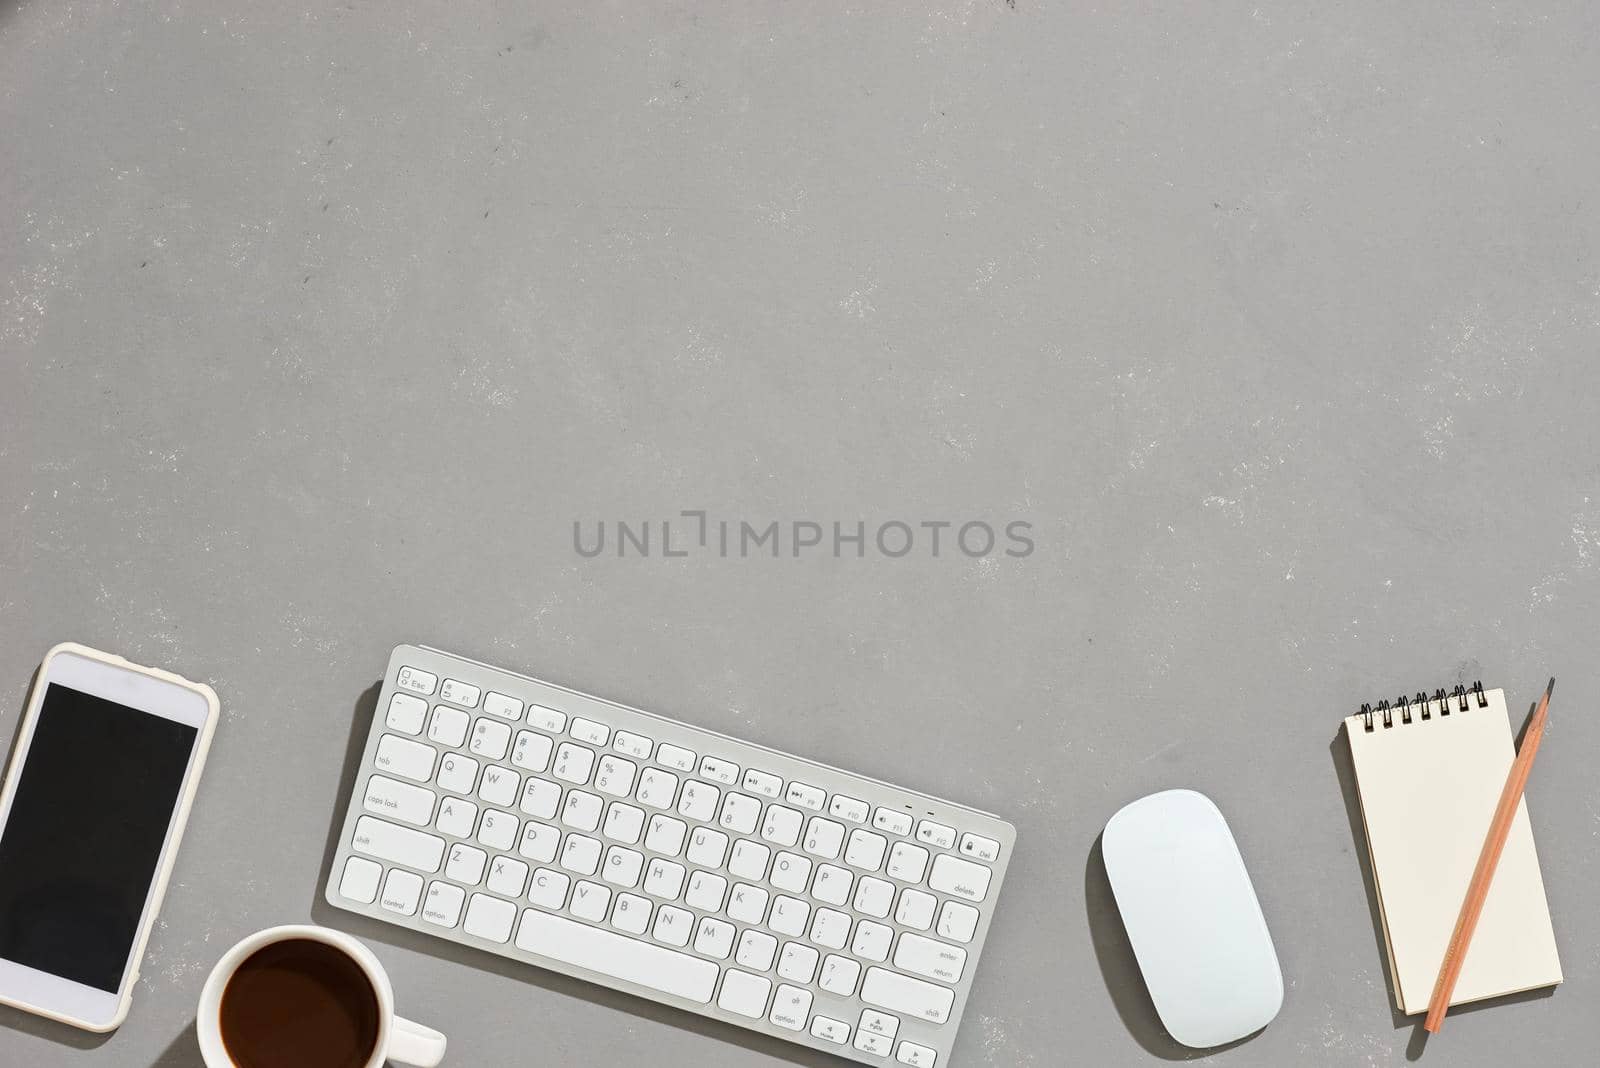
[105, 767]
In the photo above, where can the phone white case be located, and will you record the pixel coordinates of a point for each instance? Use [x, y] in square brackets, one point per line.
[180, 816]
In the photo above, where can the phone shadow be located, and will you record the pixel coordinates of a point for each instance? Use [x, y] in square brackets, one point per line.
[371, 930]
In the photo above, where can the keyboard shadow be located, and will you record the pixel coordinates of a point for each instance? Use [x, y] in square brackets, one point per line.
[368, 929]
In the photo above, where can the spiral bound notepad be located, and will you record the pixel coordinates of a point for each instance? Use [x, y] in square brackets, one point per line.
[1429, 771]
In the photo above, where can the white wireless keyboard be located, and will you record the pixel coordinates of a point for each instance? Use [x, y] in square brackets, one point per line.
[602, 842]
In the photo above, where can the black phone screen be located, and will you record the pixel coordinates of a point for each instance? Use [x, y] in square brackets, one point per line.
[84, 836]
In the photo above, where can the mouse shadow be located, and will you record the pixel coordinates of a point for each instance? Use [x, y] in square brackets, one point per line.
[1344, 768]
[1119, 968]
[531, 975]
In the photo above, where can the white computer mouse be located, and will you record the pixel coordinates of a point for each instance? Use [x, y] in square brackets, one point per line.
[1193, 918]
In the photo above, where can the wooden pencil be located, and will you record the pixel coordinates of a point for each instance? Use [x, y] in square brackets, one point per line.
[1488, 859]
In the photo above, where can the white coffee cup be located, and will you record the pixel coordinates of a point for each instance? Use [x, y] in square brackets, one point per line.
[399, 1040]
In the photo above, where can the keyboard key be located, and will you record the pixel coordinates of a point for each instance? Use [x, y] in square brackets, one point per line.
[489, 918]
[847, 808]
[539, 842]
[624, 823]
[749, 860]
[830, 928]
[490, 739]
[540, 798]
[699, 801]
[959, 878]
[706, 892]
[442, 906]
[871, 941]
[398, 845]
[448, 726]
[457, 817]
[907, 996]
[805, 796]
[582, 810]
[916, 909]
[740, 813]
[622, 868]
[790, 871]
[618, 956]
[907, 863]
[889, 821]
[590, 901]
[829, 1030]
[755, 951]
[762, 782]
[958, 922]
[459, 693]
[398, 800]
[360, 880]
[707, 848]
[876, 1044]
[417, 681]
[634, 745]
[929, 959]
[797, 963]
[548, 888]
[675, 757]
[466, 864]
[498, 704]
[580, 854]
[713, 938]
[781, 825]
[548, 720]
[497, 830]
[936, 834]
[590, 732]
[615, 776]
[665, 835]
[499, 786]
[874, 896]
[744, 994]
[839, 975]
[573, 763]
[916, 1056]
[657, 788]
[747, 904]
[718, 770]
[531, 751]
[832, 884]
[402, 890]
[790, 1006]
[507, 876]
[664, 879]
[823, 838]
[865, 850]
[631, 914]
[410, 760]
[878, 1023]
[406, 714]
[457, 773]
[673, 926]
[789, 915]
[978, 847]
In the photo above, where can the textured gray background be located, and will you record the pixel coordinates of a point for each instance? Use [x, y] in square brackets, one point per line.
[321, 326]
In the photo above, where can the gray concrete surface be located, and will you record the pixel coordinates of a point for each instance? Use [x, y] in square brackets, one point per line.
[322, 324]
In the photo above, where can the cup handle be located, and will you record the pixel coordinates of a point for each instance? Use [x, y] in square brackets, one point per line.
[411, 1043]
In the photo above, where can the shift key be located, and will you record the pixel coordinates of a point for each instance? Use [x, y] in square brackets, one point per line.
[398, 845]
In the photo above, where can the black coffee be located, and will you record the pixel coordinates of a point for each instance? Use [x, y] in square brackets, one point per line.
[299, 1004]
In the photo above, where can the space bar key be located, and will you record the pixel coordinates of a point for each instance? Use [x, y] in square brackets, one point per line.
[618, 956]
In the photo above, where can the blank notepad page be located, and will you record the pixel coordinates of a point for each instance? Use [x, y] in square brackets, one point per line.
[1428, 789]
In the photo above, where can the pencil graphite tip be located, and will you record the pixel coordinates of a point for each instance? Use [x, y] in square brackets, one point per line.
[1550, 689]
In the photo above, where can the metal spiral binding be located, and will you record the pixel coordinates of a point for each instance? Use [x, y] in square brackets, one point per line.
[1421, 706]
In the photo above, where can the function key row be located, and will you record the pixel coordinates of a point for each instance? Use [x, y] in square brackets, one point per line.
[407, 714]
